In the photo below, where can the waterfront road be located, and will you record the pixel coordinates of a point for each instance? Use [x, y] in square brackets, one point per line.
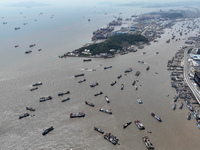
[187, 78]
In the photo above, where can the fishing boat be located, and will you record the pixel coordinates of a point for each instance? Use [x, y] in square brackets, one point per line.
[79, 75]
[156, 117]
[77, 115]
[147, 142]
[96, 94]
[99, 130]
[37, 83]
[139, 125]
[122, 86]
[113, 83]
[42, 99]
[63, 93]
[64, 100]
[139, 100]
[105, 111]
[128, 70]
[48, 130]
[90, 104]
[30, 108]
[133, 83]
[189, 116]
[181, 106]
[111, 138]
[127, 124]
[24, 115]
[82, 81]
[94, 84]
[107, 67]
[107, 99]
[119, 76]
[35, 88]
[174, 107]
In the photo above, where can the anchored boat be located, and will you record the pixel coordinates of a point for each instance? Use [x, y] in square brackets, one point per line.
[107, 67]
[30, 108]
[128, 70]
[23, 116]
[156, 117]
[174, 107]
[119, 76]
[79, 75]
[37, 83]
[76, 115]
[82, 81]
[107, 99]
[127, 124]
[96, 94]
[113, 83]
[95, 84]
[139, 125]
[105, 111]
[63, 93]
[90, 104]
[99, 130]
[147, 142]
[122, 86]
[48, 130]
[42, 99]
[111, 138]
[139, 100]
[64, 100]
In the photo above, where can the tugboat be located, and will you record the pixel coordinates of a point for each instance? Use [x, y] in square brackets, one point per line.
[47, 130]
[90, 104]
[189, 116]
[62, 93]
[105, 111]
[147, 142]
[119, 76]
[113, 83]
[139, 125]
[111, 138]
[64, 100]
[78, 75]
[174, 107]
[133, 83]
[137, 73]
[98, 93]
[37, 83]
[122, 86]
[30, 108]
[181, 106]
[107, 99]
[76, 115]
[95, 84]
[148, 68]
[99, 130]
[107, 67]
[127, 124]
[35, 88]
[139, 100]
[25, 115]
[42, 99]
[156, 117]
[82, 81]
[128, 70]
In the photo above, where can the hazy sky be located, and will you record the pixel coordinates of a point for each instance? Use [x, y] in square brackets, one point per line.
[82, 2]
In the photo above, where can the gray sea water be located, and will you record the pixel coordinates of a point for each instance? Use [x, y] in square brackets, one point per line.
[67, 30]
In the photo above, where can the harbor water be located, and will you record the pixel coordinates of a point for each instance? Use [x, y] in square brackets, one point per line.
[59, 35]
